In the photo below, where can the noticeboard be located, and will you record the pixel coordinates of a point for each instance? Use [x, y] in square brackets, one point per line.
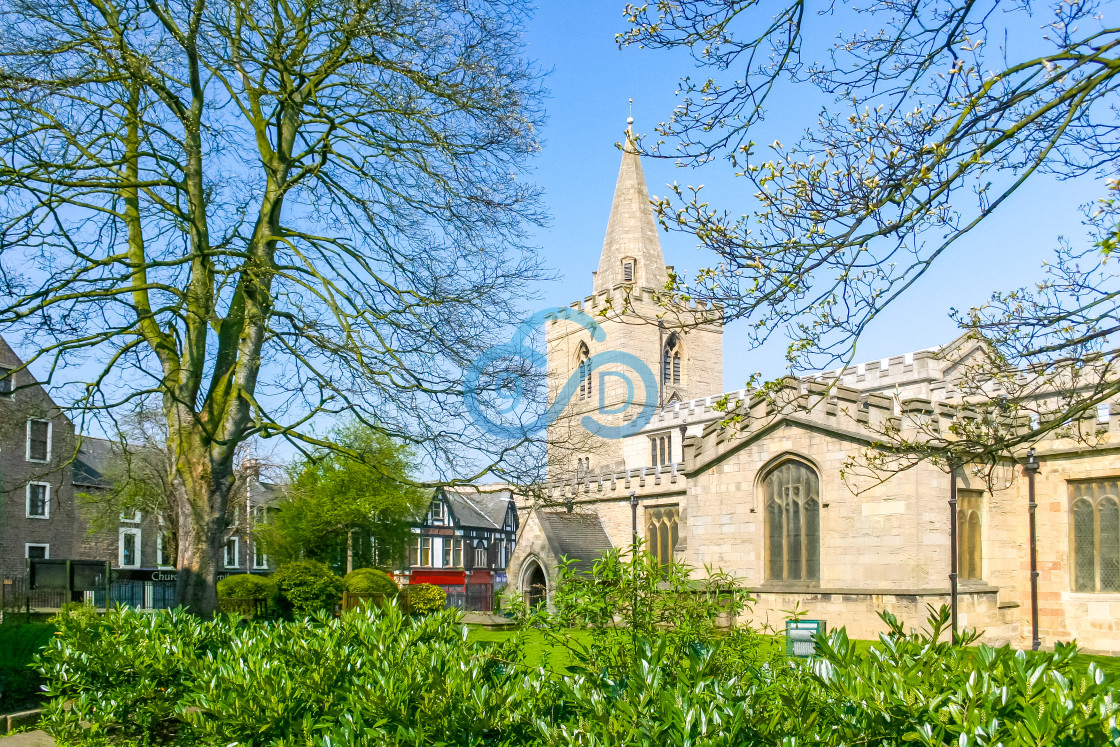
[799, 636]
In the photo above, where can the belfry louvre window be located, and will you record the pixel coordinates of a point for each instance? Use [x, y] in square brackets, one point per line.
[1095, 534]
[968, 535]
[661, 450]
[583, 371]
[628, 271]
[793, 523]
[671, 361]
[661, 533]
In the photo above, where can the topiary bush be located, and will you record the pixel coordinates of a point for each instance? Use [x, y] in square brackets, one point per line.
[369, 581]
[308, 586]
[424, 599]
[246, 586]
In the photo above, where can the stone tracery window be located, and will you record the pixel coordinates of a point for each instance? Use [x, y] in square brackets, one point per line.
[662, 532]
[1095, 534]
[792, 523]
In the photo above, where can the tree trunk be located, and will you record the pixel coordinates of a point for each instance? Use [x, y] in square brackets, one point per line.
[202, 498]
[349, 550]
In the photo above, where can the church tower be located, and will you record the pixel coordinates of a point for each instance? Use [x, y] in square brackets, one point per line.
[682, 346]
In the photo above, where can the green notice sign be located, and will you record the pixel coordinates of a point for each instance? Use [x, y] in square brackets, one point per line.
[799, 636]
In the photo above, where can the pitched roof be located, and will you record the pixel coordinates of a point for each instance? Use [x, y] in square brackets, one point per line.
[577, 537]
[477, 508]
[94, 457]
[631, 229]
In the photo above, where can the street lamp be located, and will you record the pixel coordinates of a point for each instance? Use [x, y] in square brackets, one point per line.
[1031, 468]
[634, 517]
[953, 545]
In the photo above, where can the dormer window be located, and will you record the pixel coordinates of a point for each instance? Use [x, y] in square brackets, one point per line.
[628, 271]
[437, 512]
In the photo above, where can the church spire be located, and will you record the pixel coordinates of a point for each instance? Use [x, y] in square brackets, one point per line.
[631, 238]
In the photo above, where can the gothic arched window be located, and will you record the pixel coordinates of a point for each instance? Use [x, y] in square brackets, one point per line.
[1095, 535]
[968, 534]
[583, 369]
[671, 360]
[793, 523]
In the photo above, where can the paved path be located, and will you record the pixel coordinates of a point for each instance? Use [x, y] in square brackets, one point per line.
[28, 739]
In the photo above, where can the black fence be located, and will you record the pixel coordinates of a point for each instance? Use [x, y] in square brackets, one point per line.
[471, 597]
[16, 596]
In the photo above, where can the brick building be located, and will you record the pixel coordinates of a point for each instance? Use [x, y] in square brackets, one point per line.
[46, 468]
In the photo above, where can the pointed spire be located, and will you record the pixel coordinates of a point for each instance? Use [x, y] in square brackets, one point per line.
[631, 229]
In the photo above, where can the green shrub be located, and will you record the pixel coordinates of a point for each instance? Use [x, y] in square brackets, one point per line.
[246, 586]
[363, 679]
[369, 581]
[308, 586]
[424, 599]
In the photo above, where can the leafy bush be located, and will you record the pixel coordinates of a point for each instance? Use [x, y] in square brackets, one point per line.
[378, 677]
[366, 678]
[369, 581]
[425, 599]
[246, 586]
[308, 586]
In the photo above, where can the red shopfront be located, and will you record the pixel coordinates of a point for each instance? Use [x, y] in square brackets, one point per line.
[467, 590]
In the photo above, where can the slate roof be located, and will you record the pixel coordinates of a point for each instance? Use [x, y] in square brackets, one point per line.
[577, 537]
[264, 493]
[94, 458]
[477, 508]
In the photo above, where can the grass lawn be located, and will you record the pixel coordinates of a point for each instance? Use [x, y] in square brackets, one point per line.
[538, 651]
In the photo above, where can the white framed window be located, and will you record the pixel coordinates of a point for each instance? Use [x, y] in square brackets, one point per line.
[131, 517]
[36, 551]
[426, 552]
[39, 440]
[260, 558]
[480, 557]
[1104, 410]
[165, 551]
[6, 382]
[128, 548]
[437, 512]
[453, 553]
[38, 500]
[232, 551]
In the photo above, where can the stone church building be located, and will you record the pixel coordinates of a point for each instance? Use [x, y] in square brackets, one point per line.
[764, 497]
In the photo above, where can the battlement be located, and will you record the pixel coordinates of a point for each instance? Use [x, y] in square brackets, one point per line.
[617, 483]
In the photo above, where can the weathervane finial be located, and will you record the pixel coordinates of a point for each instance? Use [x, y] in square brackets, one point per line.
[630, 118]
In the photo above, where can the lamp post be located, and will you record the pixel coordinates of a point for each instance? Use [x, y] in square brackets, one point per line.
[634, 518]
[1031, 468]
[953, 545]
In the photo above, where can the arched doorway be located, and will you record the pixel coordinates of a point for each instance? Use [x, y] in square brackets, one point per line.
[536, 586]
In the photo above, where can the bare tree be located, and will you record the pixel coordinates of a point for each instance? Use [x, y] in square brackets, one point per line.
[264, 214]
[932, 119]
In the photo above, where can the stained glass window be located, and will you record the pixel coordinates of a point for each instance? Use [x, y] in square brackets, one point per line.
[1095, 535]
[661, 532]
[793, 529]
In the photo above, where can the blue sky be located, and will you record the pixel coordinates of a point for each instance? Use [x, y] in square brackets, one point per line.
[590, 83]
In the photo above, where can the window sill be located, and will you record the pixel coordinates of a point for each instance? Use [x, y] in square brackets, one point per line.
[44, 518]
